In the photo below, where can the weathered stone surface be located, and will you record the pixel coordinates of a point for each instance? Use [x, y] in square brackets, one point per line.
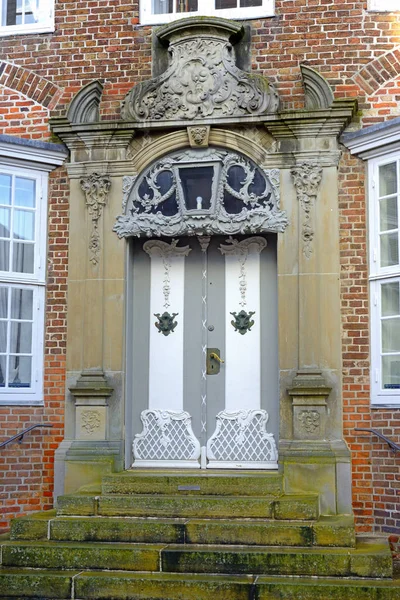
[84, 504]
[249, 532]
[52, 555]
[34, 527]
[335, 531]
[188, 506]
[214, 483]
[17, 583]
[99, 529]
[296, 507]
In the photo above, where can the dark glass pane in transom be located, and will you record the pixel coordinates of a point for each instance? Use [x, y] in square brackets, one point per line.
[197, 186]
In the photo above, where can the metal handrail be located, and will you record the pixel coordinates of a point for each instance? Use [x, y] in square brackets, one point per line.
[394, 447]
[19, 436]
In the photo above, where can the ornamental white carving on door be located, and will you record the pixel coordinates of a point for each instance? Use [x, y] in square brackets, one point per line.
[236, 436]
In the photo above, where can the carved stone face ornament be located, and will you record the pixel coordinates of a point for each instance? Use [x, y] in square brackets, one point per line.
[166, 323]
[242, 321]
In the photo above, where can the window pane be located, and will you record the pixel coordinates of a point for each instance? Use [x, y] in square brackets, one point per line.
[390, 299]
[3, 366]
[21, 337]
[3, 302]
[388, 179]
[3, 336]
[247, 3]
[197, 186]
[5, 214]
[225, 4]
[389, 249]
[4, 256]
[162, 7]
[5, 189]
[24, 192]
[20, 371]
[23, 258]
[21, 303]
[24, 225]
[390, 372]
[388, 214]
[186, 6]
[391, 335]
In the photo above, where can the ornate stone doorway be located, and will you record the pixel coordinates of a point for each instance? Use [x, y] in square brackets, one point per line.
[204, 326]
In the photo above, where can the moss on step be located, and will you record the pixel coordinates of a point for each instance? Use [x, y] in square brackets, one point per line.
[78, 504]
[52, 555]
[209, 483]
[335, 531]
[98, 529]
[296, 507]
[17, 583]
[33, 527]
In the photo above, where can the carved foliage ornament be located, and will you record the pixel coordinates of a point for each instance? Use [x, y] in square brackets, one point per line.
[307, 178]
[90, 421]
[202, 192]
[202, 81]
[95, 188]
[310, 420]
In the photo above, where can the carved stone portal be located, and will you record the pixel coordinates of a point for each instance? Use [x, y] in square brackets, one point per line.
[202, 79]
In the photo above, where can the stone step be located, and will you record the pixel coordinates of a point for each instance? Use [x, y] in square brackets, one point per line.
[365, 560]
[209, 483]
[117, 585]
[298, 507]
[69, 555]
[327, 531]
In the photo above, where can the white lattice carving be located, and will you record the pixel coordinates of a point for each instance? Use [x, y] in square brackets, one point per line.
[167, 438]
[241, 441]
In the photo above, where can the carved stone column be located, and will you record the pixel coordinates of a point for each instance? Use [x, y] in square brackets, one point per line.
[96, 188]
[307, 178]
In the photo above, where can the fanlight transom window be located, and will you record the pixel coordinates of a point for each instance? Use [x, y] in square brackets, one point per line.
[197, 192]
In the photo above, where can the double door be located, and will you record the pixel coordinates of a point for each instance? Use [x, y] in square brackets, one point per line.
[204, 361]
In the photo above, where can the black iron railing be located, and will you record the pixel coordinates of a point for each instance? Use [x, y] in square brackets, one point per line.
[394, 447]
[20, 436]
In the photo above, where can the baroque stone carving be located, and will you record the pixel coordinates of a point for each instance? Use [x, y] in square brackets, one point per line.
[242, 322]
[90, 421]
[309, 420]
[167, 437]
[241, 198]
[202, 81]
[96, 188]
[84, 107]
[307, 178]
[198, 136]
[166, 323]
[166, 252]
[319, 93]
[241, 440]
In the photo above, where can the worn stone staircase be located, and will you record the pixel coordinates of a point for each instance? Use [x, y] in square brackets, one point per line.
[188, 535]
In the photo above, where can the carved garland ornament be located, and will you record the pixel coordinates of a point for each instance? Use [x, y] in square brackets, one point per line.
[243, 198]
[307, 178]
[96, 188]
[90, 421]
[201, 81]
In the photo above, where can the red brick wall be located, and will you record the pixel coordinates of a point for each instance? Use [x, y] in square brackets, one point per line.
[358, 52]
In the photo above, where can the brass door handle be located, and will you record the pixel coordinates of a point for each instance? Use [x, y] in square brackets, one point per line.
[216, 357]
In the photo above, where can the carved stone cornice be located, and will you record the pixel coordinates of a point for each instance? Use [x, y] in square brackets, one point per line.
[307, 178]
[202, 80]
[96, 188]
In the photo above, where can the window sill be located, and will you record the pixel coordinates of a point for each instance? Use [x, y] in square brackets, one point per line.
[20, 402]
[25, 30]
[236, 15]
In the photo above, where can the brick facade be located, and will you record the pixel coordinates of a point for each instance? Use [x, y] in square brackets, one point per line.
[359, 54]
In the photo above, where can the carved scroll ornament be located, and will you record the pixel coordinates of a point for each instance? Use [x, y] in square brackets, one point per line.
[202, 81]
[244, 198]
[96, 188]
[307, 178]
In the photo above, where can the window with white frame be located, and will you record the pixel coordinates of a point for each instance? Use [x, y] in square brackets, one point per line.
[385, 278]
[165, 11]
[384, 5]
[26, 16]
[23, 195]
